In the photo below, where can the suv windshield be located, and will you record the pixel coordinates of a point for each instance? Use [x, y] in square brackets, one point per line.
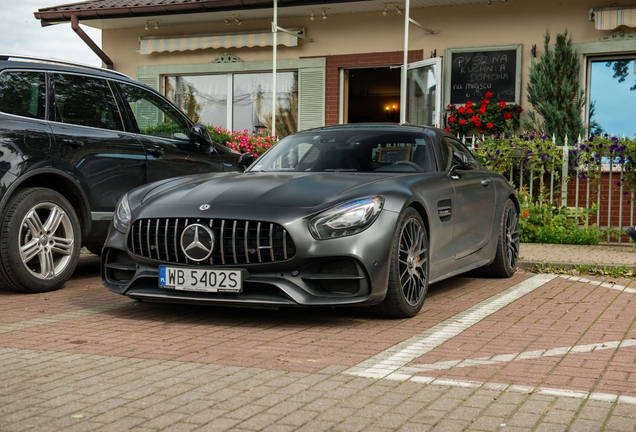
[350, 150]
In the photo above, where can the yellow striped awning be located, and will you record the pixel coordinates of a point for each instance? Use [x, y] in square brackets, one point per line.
[154, 44]
[611, 17]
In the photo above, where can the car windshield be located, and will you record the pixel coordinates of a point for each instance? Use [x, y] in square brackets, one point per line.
[350, 150]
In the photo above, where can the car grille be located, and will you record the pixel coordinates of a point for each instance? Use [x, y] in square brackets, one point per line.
[237, 241]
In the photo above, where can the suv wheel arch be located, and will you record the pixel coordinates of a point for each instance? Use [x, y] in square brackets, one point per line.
[60, 182]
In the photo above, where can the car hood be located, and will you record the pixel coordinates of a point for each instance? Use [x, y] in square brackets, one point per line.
[265, 190]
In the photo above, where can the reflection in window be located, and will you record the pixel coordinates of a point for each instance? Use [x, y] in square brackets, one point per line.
[86, 101]
[154, 115]
[612, 96]
[204, 98]
[252, 102]
[23, 94]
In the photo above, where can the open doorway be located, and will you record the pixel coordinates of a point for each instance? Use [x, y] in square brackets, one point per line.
[371, 95]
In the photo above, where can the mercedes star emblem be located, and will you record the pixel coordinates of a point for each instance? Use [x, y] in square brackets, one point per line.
[197, 242]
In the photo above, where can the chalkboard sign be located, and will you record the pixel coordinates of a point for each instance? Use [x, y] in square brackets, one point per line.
[395, 154]
[476, 71]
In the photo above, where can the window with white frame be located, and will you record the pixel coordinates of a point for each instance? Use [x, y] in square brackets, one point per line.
[237, 101]
[611, 97]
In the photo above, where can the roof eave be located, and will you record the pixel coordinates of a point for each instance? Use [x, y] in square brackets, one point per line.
[56, 17]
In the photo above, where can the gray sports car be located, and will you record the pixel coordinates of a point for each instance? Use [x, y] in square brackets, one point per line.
[350, 215]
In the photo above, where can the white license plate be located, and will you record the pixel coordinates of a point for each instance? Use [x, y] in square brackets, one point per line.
[206, 280]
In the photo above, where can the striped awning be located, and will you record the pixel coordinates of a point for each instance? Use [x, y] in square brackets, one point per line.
[232, 40]
[611, 17]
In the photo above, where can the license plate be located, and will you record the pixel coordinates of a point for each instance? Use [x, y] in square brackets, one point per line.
[206, 280]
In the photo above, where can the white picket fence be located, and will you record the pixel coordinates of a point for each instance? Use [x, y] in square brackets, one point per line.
[615, 208]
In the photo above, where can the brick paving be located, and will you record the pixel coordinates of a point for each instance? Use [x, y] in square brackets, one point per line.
[560, 357]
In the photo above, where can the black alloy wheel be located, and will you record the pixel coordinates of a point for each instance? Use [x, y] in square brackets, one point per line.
[409, 269]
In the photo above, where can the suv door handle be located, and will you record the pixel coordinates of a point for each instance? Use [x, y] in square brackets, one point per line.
[154, 151]
[73, 143]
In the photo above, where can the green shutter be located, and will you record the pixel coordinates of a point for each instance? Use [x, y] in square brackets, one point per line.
[147, 115]
[311, 98]
[151, 80]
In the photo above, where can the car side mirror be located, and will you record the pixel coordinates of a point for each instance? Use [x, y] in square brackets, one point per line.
[461, 161]
[245, 160]
[201, 134]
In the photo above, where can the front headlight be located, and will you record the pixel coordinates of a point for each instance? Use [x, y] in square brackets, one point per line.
[346, 219]
[122, 217]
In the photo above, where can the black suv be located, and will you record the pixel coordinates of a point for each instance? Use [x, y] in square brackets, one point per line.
[73, 140]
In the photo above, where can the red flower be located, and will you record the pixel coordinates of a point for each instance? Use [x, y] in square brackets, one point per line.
[490, 125]
[485, 102]
[452, 119]
[481, 131]
[478, 124]
[461, 110]
[502, 105]
[474, 119]
[469, 110]
[519, 109]
[488, 95]
[507, 116]
[482, 110]
[462, 122]
[447, 129]
[469, 104]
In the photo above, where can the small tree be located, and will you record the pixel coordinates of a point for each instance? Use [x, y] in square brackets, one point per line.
[554, 91]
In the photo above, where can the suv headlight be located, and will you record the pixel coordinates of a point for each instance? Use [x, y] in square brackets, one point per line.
[122, 217]
[346, 219]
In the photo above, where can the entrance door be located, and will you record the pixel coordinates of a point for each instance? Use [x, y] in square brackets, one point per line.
[424, 92]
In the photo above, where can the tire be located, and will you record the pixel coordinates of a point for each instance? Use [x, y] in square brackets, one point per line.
[40, 243]
[95, 249]
[507, 256]
[409, 268]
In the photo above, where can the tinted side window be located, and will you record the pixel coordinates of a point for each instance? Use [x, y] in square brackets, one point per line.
[23, 94]
[450, 146]
[155, 115]
[86, 101]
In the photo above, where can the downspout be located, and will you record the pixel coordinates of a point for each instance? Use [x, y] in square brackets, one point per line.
[88, 41]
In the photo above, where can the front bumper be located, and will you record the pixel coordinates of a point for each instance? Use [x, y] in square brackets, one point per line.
[346, 271]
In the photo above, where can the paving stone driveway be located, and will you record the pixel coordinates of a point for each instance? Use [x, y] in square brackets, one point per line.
[534, 352]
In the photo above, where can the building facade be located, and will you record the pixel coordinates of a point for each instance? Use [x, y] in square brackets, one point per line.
[343, 61]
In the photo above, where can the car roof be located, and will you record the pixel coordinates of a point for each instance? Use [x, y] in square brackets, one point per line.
[380, 127]
[10, 61]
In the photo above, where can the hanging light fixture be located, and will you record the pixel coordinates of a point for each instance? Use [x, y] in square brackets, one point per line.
[324, 14]
[312, 16]
[384, 12]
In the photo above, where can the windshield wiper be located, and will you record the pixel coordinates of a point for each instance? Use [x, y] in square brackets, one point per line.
[340, 170]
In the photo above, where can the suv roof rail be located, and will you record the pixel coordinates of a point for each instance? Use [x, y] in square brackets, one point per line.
[59, 62]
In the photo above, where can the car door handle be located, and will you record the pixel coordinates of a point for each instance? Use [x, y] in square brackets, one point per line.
[154, 151]
[485, 182]
[73, 143]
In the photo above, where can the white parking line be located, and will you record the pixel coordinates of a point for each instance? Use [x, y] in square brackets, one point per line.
[526, 355]
[389, 361]
[603, 284]
[21, 325]
[603, 397]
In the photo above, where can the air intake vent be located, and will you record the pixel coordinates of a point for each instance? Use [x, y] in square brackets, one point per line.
[237, 242]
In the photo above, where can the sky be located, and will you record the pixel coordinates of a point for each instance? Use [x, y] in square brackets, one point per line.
[615, 103]
[21, 33]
